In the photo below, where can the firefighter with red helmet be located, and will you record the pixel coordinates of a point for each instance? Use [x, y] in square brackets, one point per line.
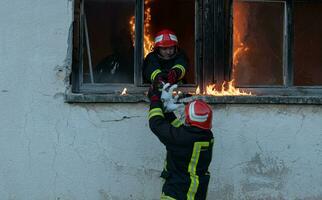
[189, 145]
[166, 63]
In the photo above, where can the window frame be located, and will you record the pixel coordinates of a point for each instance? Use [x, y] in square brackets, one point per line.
[138, 87]
[213, 52]
[288, 88]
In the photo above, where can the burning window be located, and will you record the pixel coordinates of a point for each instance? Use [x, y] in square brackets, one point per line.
[109, 36]
[307, 43]
[105, 55]
[258, 46]
[258, 29]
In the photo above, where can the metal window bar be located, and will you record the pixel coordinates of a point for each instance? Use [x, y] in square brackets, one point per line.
[89, 55]
[138, 43]
[286, 80]
[81, 44]
[289, 43]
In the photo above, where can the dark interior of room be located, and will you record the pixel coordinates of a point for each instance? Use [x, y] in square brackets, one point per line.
[110, 35]
[307, 43]
[110, 39]
[258, 43]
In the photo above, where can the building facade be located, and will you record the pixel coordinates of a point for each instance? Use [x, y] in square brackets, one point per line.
[64, 136]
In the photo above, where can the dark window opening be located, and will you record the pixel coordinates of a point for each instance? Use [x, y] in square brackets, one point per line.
[266, 46]
[307, 43]
[109, 38]
[276, 46]
[108, 55]
[258, 30]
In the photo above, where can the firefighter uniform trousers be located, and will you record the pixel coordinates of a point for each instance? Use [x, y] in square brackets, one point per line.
[189, 153]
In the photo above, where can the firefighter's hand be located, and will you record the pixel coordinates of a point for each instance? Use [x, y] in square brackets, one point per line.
[159, 81]
[169, 102]
[173, 76]
[167, 92]
[171, 105]
[154, 94]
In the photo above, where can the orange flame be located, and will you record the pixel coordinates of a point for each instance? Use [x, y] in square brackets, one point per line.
[148, 40]
[198, 90]
[227, 89]
[132, 29]
[124, 92]
[239, 32]
[239, 49]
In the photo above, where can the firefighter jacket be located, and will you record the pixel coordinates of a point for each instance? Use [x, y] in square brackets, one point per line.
[189, 153]
[154, 65]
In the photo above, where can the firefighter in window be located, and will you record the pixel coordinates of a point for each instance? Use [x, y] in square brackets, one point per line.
[166, 63]
[189, 145]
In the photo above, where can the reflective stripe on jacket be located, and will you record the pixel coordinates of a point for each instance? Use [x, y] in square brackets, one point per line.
[154, 65]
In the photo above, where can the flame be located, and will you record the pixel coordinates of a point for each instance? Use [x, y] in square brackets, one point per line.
[239, 33]
[124, 92]
[227, 89]
[239, 49]
[148, 39]
[238, 52]
[198, 90]
[132, 29]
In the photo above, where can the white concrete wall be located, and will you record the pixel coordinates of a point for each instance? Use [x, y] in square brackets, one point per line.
[57, 151]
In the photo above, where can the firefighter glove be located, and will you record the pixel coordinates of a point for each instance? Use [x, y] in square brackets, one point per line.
[169, 102]
[159, 80]
[154, 94]
[171, 105]
[173, 76]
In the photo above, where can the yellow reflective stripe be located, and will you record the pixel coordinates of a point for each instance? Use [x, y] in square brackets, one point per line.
[155, 112]
[165, 197]
[212, 141]
[192, 169]
[165, 163]
[176, 123]
[193, 187]
[154, 74]
[183, 70]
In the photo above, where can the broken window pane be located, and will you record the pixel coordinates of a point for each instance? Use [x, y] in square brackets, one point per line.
[258, 43]
[307, 43]
[178, 16]
[111, 47]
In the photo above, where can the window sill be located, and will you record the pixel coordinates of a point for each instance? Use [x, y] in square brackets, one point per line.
[104, 98]
[135, 98]
[317, 100]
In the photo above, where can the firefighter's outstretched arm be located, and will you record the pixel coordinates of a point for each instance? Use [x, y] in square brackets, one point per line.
[164, 125]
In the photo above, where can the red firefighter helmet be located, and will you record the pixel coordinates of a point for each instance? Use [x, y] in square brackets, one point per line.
[165, 38]
[198, 113]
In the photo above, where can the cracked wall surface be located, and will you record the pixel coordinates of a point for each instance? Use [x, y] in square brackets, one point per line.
[267, 152]
[53, 150]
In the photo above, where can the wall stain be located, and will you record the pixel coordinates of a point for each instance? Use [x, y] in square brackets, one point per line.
[264, 173]
[266, 166]
[225, 192]
[103, 195]
[318, 197]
